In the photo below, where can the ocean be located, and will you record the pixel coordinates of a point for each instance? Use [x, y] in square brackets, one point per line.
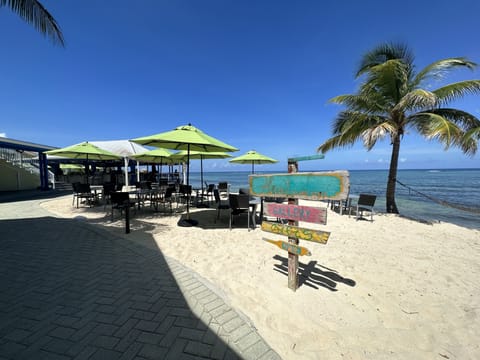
[460, 187]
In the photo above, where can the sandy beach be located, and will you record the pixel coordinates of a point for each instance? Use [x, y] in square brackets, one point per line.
[393, 288]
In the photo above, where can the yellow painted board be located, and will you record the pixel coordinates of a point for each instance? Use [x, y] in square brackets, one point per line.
[291, 248]
[317, 236]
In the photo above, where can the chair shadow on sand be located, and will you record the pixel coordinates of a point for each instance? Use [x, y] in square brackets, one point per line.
[313, 274]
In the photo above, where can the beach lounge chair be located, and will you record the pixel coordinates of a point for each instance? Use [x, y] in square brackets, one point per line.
[365, 202]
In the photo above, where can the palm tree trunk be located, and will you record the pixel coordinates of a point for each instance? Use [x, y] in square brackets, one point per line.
[392, 176]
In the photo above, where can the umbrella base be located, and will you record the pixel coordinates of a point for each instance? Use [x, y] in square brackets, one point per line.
[187, 222]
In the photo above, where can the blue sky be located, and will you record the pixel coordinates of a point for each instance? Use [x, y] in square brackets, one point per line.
[254, 74]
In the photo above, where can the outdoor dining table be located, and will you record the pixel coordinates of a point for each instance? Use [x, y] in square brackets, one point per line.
[142, 195]
[344, 203]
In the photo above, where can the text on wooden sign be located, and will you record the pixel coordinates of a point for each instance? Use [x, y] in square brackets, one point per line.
[317, 236]
[291, 248]
[296, 212]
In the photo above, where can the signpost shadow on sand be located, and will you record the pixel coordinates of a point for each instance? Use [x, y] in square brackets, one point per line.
[294, 186]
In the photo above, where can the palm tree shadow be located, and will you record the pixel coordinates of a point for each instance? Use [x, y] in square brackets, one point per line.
[313, 274]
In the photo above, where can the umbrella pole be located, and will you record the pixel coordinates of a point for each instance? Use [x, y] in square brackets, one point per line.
[188, 221]
[160, 176]
[253, 166]
[125, 163]
[87, 169]
[202, 205]
[188, 182]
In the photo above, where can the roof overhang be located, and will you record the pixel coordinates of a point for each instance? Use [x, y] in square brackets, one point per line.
[24, 145]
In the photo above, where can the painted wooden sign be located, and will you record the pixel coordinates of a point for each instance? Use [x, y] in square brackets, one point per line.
[317, 236]
[311, 186]
[297, 213]
[308, 157]
[291, 248]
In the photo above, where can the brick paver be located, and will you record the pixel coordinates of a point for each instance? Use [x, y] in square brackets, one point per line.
[70, 290]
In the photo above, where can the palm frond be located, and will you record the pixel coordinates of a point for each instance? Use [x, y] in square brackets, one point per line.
[473, 133]
[470, 141]
[461, 118]
[382, 53]
[390, 79]
[469, 146]
[356, 122]
[351, 126]
[457, 90]
[417, 99]
[439, 69]
[373, 134]
[434, 126]
[35, 14]
[332, 143]
[360, 102]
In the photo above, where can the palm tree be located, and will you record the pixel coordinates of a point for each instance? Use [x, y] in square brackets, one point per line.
[391, 101]
[34, 13]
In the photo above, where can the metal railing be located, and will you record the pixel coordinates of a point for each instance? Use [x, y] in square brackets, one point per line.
[26, 160]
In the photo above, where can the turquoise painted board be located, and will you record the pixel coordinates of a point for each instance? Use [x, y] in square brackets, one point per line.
[329, 185]
[303, 158]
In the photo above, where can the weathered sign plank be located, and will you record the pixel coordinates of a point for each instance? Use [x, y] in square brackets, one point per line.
[291, 248]
[317, 236]
[297, 213]
[311, 186]
[308, 157]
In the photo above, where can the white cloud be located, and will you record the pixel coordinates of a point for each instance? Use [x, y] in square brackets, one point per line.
[403, 160]
[3, 135]
[380, 160]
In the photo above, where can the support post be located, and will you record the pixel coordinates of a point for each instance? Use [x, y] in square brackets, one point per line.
[127, 218]
[42, 164]
[292, 258]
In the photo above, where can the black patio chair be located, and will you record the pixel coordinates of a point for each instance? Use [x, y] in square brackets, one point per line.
[365, 202]
[121, 201]
[83, 191]
[221, 204]
[239, 204]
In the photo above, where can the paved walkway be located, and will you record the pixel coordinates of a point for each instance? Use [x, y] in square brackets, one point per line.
[70, 290]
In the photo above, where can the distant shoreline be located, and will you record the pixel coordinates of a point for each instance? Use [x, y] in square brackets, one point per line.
[276, 171]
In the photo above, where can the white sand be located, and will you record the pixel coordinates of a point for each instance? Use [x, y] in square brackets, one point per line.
[394, 288]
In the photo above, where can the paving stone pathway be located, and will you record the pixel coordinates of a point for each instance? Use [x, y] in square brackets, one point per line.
[70, 290]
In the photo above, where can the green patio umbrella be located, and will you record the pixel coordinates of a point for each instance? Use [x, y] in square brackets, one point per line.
[253, 157]
[84, 150]
[158, 156]
[189, 138]
[201, 155]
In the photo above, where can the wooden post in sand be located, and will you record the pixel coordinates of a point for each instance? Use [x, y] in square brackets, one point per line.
[294, 186]
[292, 258]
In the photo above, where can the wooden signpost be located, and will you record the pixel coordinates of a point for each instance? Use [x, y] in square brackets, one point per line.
[296, 232]
[297, 213]
[291, 248]
[309, 186]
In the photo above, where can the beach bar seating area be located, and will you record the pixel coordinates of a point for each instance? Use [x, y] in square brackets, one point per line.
[147, 198]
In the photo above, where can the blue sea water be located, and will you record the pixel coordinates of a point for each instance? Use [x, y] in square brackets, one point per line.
[456, 186]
